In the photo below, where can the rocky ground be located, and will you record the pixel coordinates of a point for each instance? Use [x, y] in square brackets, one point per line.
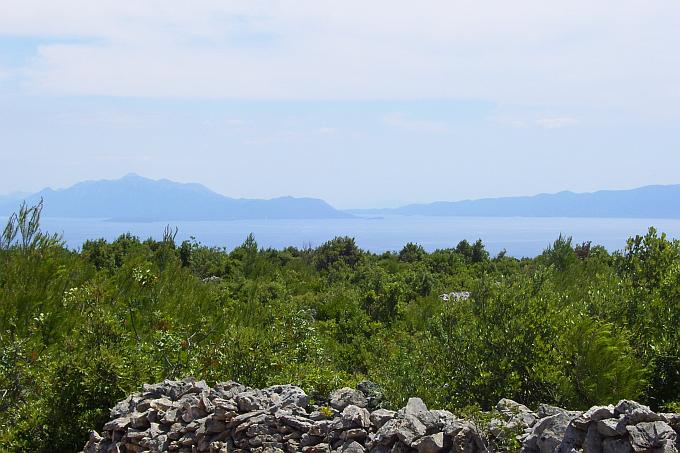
[189, 416]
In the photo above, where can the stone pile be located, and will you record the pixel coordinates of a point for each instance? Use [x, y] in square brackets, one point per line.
[189, 416]
[625, 428]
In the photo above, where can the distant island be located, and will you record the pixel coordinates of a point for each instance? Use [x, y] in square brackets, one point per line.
[134, 198]
[656, 201]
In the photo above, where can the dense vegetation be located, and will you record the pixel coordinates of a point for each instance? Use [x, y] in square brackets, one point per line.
[81, 329]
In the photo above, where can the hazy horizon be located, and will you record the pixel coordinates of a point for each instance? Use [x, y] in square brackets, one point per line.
[21, 193]
[361, 105]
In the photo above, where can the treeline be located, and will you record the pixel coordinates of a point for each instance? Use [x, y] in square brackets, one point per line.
[80, 329]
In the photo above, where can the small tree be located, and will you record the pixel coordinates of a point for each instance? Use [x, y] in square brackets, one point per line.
[339, 250]
[412, 253]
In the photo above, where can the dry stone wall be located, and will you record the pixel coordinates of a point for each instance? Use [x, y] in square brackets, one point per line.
[189, 416]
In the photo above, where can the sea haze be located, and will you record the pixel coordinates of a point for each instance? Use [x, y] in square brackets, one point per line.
[519, 236]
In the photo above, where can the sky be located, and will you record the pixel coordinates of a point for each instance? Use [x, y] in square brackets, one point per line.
[362, 103]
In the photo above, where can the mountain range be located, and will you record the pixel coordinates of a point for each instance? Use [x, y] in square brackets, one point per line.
[645, 202]
[135, 198]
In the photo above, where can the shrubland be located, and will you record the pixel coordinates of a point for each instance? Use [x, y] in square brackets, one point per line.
[80, 329]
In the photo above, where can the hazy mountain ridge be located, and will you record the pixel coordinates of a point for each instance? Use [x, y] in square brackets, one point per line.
[656, 201]
[134, 198]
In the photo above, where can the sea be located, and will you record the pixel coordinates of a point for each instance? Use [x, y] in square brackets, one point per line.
[518, 236]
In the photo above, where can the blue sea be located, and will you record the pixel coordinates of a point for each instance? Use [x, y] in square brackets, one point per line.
[519, 236]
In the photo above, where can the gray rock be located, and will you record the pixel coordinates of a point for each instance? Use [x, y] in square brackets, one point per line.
[355, 417]
[646, 436]
[550, 431]
[187, 416]
[572, 439]
[345, 396]
[381, 416]
[635, 412]
[612, 427]
[548, 441]
[357, 434]
[405, 429]
[546, 410]
[530, 443]
[453, 427]
[616, 445]
[139, 421]
[352, 447]
[214, 425]
[93, 442]
[170, 417]
[468, 440]
[320, 448]
[252, 400]
[320, 428]
[433, 443]
[118, 424]
[516, 414]
[307, 440]
[593, 440]
[228, 390]
[126, 406]
[673, 421]
[594, 414]
[298, 423]
[175, 389]
[288, 395]
[415, 407]
[510, 408]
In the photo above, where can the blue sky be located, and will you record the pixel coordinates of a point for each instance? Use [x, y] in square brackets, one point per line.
[362, 104]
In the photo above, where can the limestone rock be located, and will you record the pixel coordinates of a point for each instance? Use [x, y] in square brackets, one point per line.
[612, 427]
[647, 436]
[188, 416]
[345, 396]
[433, 443]
[355, 417]
[381, 416]
[594, 414]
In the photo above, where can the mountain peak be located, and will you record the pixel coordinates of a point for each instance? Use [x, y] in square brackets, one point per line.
[135, 197]
[132, 176]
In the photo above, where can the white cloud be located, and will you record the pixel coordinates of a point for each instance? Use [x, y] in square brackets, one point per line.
[556, 122]
[606, 53]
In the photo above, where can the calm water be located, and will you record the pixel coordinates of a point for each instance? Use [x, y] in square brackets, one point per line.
[519, 236]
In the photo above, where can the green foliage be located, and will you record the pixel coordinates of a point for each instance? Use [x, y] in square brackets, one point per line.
[412, 253]
[505, 441]
[338, 251]
[601, 364]
[80, 330]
